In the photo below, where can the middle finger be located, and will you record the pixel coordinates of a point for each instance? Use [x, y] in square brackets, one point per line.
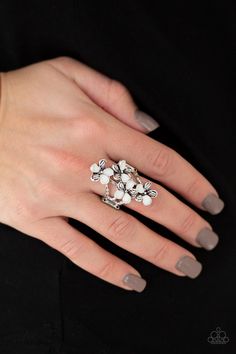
[161, 163]
[169, 211]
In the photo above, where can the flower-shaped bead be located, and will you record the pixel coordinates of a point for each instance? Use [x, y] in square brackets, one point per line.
[121, 171]
[144, 193]
[123, 193]
[100, 173]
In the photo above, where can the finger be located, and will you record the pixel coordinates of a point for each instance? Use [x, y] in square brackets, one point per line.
[162, 163]
[127, 232]
[85, 253]
[170, 212]
[176, 216]
[109, 94]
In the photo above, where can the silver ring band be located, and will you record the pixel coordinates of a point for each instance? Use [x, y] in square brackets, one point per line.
[127, 181]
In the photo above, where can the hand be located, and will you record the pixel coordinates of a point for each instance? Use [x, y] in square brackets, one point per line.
[57, 118]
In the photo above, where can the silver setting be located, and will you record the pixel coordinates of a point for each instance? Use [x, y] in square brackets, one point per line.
[127, 181]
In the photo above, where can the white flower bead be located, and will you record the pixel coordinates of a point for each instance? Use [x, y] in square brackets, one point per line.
[94, 168]
[130, 183]
[147, 200]
[124, 177]
[108, 171]
[127, 198]
[104, 179]
[139, 188]
[119, 194]
[122, 164]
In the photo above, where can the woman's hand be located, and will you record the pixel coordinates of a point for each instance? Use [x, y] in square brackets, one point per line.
[57, 118]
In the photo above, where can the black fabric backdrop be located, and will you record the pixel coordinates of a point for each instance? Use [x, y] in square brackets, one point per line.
[178, 61]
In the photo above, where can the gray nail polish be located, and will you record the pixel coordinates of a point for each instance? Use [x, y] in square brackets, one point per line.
[135, 282]
[207, 238]
[146, 121]
[189, 266]
[213, 204]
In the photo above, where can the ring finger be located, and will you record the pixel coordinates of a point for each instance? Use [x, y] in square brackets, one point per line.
[170, 212]
[129, 233]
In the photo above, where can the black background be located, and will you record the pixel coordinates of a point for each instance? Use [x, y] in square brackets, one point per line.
[178, 61]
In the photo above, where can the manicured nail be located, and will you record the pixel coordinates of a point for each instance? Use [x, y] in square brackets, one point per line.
[189, 266]
[146, 121]
[213, 204]
[135, 282]
[207, 238]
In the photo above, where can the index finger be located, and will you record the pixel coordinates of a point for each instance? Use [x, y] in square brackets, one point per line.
[163, 164]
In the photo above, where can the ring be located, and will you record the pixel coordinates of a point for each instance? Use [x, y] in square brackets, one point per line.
[127, 181]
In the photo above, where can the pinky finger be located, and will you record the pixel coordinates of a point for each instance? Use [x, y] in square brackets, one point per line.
[86, 253]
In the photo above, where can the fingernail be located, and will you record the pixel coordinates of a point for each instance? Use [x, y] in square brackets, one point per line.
[135, 282]
[213, 204]
[189, 266]
[207, 238]
[146, 121]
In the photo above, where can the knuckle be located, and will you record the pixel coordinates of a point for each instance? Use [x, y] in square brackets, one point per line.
[122, 228]
[63, 59]
[92, 124]
[67, 160]
[194, 188]
[60, 160]
[85, 123]
[60, 62]
[187, 223]
[73, 249]
[106, 271]
[161, 161]
[115, 90]
[161, 252]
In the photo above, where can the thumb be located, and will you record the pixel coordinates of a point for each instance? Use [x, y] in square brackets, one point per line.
[109, 94]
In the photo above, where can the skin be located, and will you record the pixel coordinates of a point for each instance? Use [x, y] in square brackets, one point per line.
[58, 117]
